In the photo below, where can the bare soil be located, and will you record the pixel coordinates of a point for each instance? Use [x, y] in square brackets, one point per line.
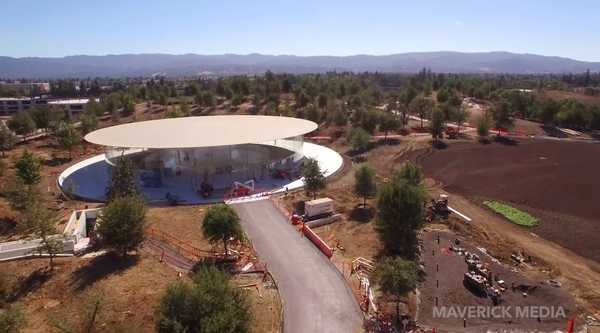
[554, 181]
[444, 271]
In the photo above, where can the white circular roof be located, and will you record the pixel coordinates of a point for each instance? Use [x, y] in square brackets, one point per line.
[204, 131]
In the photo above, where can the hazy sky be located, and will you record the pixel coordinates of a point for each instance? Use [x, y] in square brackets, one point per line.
[326, 27]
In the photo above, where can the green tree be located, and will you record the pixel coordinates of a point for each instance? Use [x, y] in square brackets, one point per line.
[184, 108]
[20, 196]
[7, 139]
[28, 168]
[396, 277]
[340, 117]
[12, 320]
[220, 224]
[210, 304]
[483, 126]
[421, 106]
[67, 137]
[460, 115]
[21, 123]
[400, 213]
[93, 107]
[89, 121]
[365, 184]
[502, 115]
[359, 139]
[122, 183]
[314, 179]
[41, 117]
[410, 173]
[388, 122]
[121, 224]
[129, 105]
[369, 121]
[437, 124]
[41, 222]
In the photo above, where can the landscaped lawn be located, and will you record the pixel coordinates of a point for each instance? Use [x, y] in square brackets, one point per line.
[514, 215]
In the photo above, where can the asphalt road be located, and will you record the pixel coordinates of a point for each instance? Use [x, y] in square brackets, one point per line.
[314, 293]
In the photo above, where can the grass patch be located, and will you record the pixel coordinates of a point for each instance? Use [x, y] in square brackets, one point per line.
[512, 214]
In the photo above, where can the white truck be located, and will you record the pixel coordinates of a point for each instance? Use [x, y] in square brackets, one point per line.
[318, 208]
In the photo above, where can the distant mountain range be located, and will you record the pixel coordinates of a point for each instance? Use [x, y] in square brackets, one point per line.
[230, 64]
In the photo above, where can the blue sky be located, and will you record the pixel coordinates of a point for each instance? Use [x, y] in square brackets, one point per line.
[326, 27]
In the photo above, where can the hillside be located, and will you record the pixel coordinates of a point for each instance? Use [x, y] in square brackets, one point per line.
[231, 64]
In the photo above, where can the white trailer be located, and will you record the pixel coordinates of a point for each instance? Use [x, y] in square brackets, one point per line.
[318, 208]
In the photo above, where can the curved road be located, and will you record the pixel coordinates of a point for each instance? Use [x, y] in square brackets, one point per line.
[314, 293]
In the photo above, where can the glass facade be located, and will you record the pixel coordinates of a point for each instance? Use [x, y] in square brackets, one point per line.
[218, 166]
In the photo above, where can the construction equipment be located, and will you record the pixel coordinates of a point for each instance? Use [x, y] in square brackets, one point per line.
[477, 282]
[439, 207]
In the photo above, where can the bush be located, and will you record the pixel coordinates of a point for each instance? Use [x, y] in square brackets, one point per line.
[211, 304]
[12, 320]
[512, 214]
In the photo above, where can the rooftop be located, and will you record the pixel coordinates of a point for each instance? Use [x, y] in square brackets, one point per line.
[204, 131]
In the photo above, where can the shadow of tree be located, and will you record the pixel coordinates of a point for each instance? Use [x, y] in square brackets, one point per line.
[7, 226]
[100, 268]
[362, 214]
[506, 140]
[439, 144]
[29, 284]
[223, 264]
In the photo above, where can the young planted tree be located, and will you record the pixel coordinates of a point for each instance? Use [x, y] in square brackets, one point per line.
[220, 224]
[437, 124]
[20, 196]
[503, 115]
[122, 222]
[314, 179]
[210, 304]
[359, 140]
[42, 117]
[400, 213]
[365, 184]
[421, 106]
[460, 115]
[122, 183]
[89, 121]
[410, 173]
[28, 168]
[7, 139]
[21, 123]
[483, 127]
[67, 137]
[396, 277]
[41, 222]
[388, 122]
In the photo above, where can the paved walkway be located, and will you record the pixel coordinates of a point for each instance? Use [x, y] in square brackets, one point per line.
[314, 293]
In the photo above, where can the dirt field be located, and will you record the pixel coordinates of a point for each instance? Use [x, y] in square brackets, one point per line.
[555, 181]
[561, 95]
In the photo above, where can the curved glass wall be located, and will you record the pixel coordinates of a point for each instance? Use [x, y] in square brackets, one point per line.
[218, 166]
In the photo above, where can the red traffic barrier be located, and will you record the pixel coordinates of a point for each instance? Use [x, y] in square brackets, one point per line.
[327, 251]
